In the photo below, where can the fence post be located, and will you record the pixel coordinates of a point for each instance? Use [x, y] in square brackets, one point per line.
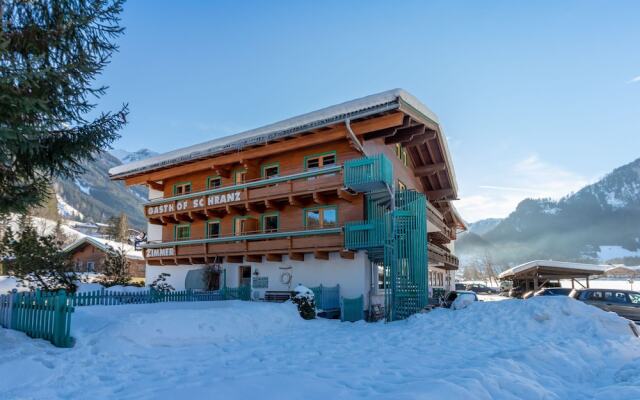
[60, 301]
[14, 304]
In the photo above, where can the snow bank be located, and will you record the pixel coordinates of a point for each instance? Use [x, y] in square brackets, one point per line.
[541, 348]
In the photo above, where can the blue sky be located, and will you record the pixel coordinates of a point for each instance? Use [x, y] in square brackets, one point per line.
[537, 99]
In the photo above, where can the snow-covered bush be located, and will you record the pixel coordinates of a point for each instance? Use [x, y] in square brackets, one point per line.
[305, 301]
[160, 284]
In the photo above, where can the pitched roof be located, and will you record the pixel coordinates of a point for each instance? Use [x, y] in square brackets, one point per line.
[358, 108]
[106, 246]
[558, 266]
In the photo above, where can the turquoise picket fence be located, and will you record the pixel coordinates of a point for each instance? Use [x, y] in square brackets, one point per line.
[327, 298]
[352, 310]
[43, 315]
[40, 315]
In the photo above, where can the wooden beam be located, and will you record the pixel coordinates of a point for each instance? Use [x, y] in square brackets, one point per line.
[223, 172]
[198, 215]
[345, 195]
[430, 169]
[256, 258]
[421, 139]
[293, 201]
[439, 194]
[296, 256]
[272, 205]
[405, 134]
[183, 217]
[274, 257]
[155, 185]
[168, 219]
[318, 198]
[333, 134]
[348, 255]
[235, 259]
[321, 255]
[156, 221]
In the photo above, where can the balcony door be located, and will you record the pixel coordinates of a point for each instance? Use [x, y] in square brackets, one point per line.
[244, 272]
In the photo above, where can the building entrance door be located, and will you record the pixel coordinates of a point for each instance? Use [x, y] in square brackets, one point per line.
[245, 275]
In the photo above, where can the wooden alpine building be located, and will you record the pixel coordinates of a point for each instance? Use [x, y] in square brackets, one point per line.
[358, 195]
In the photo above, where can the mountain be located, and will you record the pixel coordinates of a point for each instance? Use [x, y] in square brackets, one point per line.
[599, 223]
[483, 226]
[126, 156]
[93, 196]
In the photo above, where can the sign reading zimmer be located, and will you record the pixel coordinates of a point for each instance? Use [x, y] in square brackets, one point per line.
[198, 202]
[161, 252]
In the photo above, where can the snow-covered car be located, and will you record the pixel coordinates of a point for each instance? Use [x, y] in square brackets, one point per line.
[625, 303]
[459, 299]
[556, 291]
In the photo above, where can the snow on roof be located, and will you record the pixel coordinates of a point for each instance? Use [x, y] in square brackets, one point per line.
[556, 265]
[105, 245]
[376, 103]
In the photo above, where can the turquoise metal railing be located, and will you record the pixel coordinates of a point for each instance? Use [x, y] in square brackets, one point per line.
[326, 297]
[368, 173]
[362, 235]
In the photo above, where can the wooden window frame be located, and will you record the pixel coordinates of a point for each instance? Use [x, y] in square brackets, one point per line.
[321, 215]
[213, 177]
[175, 186]
[320, 156]
[175, 231]
[263, 167]
[269, 214]
[237, 217]
[206, 228]
[235, 175]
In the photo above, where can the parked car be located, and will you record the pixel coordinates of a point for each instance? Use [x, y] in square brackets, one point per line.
[458, 299]
[480, 288]
[625, 303]
[555, 291]
[461, 286]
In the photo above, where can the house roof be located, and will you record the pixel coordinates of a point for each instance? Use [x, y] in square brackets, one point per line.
[366, 106]
[551, 267]
[106, 246]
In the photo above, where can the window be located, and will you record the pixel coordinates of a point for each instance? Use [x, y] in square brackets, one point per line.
[240, 176]
[90, 266]
[214, 182]
[182, 188]
[319, 161]
[380, 271]
[182, 232]
[244, 225]
[401, 153]
[270, 170]
[321, 217]
[78, 265]
[400, 185]
[213, 229]
[635, 298]
[270, 223]
[595, 296]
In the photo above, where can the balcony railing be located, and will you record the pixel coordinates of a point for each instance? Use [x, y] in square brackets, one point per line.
[368, 174]
[438, 254]
[365, 234]
[249, 185]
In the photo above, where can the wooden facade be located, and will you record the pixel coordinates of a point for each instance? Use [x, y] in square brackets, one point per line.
[285, 196]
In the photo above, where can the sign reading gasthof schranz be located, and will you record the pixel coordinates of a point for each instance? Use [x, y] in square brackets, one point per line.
[161, 252]
[198, 202]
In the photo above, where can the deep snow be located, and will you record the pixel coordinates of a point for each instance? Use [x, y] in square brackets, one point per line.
[541, 348]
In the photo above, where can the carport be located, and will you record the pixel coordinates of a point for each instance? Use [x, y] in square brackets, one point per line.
[536, 274]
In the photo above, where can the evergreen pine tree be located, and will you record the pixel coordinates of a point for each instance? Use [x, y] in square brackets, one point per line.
[118, 228]
[50, 53]
[37, 260]
[115, 269]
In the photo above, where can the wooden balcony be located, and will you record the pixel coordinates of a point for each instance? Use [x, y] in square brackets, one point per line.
[445, 234]
[250, 246]
[439, 255]
[260, 195]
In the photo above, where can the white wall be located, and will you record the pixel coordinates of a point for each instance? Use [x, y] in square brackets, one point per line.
[352, 275]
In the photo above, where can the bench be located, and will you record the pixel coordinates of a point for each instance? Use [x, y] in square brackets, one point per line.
[277, 295]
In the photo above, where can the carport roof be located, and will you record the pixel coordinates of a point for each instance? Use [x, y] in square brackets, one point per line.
[553, 268]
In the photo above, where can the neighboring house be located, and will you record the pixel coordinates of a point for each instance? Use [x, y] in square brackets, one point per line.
[357, 194]
[89, 253]
[90, 228]
[622, 271]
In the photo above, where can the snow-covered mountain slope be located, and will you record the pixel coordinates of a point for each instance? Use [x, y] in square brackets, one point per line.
[126, 156]
[576, 227]
[93, 196]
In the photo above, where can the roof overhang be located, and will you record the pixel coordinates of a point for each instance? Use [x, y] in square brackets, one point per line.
[552, 270]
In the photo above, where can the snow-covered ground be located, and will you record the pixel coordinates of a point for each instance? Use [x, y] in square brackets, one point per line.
[541, 348]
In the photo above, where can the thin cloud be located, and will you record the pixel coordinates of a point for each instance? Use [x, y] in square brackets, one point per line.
[530, 177]
[634, 80]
